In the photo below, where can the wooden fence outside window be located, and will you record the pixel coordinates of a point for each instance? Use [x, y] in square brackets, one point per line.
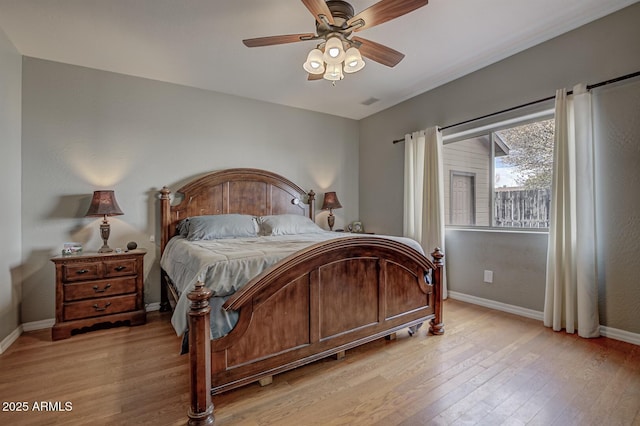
[522, 208]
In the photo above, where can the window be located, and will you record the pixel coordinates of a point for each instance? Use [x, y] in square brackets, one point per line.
[500, 175]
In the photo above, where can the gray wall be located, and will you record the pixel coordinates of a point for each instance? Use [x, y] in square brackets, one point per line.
[602, 50]
[85, 130]
[617, 132]
[10, 176]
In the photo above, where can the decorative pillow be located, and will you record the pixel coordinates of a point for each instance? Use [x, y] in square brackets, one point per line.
[182, 228]
[287, 224]
[213, 227]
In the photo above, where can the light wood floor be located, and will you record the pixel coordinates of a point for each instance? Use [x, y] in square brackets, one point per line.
[490, 368]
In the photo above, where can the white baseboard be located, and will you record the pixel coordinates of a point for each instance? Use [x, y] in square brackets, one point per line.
[27, 326]
[48, 323]
[38, 325]
[498, 306]
[12, 337]
[150, 307]
[617, 334]
[611, 333]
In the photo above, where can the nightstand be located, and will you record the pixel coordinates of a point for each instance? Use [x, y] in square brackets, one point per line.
[98, 288]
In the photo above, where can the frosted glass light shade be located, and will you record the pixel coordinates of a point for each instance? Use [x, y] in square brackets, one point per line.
[353, 60]
[333, 72]
[314, 63]
[333, 51]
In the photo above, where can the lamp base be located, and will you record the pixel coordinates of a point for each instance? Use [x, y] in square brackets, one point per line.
[105, 230]
[331, 220]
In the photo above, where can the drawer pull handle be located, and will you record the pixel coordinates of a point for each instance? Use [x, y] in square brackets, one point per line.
[97, 308]
[101, 290]
[120, 268]
[82, 271]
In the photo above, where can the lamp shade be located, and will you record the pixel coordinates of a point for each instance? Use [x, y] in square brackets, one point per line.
[333, 51]
[353, 60]
[333, 72]
[314, 63]
[331, 201]
[104, 203]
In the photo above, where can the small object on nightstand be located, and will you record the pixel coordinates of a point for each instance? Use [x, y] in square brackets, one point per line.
[132, 245]
[357, 227]
[97, 288]
[71, 248]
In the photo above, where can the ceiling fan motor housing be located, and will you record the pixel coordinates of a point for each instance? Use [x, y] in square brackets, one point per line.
[341, 12]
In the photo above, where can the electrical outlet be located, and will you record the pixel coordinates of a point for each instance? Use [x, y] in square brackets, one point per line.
[488, 276]
[152, 238]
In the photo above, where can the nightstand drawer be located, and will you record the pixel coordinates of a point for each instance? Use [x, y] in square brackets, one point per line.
[99, 307]
[101, 288]
[119, 268]
[81, 271]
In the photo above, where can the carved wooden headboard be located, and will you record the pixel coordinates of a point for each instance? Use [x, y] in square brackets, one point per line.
[245, 191]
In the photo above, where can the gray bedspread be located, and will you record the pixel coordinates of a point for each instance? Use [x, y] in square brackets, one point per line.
[225, 265]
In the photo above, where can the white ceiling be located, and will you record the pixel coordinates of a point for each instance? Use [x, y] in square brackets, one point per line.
[198, 43]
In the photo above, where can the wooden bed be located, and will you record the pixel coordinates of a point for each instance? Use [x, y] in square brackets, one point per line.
[321, 301]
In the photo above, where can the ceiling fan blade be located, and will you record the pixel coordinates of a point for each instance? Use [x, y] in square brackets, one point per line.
[318, 9]
[385, 10]
[314, 77]
[280, 39]
[378, 52]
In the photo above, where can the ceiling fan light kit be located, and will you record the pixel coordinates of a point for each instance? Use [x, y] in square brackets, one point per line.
[335, 22]
[337, 60]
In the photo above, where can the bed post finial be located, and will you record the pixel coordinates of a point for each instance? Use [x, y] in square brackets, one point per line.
[311, 200]
[201, 410]
[437, 256]
[437, 326]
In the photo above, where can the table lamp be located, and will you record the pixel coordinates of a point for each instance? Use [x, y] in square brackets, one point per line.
[331, 202]
[104, 204]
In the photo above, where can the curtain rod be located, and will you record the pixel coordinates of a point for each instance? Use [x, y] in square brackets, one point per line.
[548, 98]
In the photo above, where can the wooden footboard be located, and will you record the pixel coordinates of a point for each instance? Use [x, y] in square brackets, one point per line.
[329, 298]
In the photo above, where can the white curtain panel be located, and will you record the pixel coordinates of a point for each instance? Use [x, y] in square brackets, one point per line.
[571, 296]
[424, 191]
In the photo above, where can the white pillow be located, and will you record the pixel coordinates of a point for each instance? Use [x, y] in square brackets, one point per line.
[287, 224]
[213, 227]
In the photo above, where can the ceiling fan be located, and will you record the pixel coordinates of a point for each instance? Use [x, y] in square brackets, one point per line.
[338, 51]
